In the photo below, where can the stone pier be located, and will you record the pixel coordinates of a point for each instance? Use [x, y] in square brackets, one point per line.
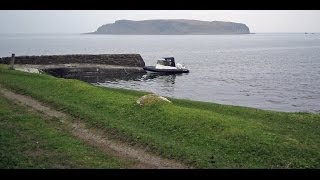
[87, 67]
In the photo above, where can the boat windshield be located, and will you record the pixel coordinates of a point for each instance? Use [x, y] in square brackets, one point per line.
[164, 62]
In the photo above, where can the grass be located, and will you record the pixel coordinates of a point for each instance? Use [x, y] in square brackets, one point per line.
[30, 141]
[203, 135]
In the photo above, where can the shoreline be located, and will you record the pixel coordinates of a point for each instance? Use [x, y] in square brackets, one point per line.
[94, 72]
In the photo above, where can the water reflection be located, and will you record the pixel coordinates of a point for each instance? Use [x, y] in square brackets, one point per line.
[163, 84]
[90, 75]
[115, 77]
[170, 79]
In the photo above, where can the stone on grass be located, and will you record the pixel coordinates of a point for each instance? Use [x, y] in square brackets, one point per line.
[150, 99]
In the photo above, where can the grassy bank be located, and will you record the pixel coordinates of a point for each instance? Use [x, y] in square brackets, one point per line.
[30, 141]
[204, 135]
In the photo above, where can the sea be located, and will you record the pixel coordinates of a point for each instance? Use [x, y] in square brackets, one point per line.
[272, 71]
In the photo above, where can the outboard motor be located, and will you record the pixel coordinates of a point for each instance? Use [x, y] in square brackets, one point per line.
[180, 66]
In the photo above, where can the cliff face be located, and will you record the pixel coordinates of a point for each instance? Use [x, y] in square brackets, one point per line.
[179, 26]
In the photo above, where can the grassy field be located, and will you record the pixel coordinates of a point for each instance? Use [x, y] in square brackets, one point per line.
[30, 141]
[203, 135]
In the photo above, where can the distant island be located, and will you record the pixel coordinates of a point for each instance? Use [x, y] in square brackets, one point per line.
[172, 27]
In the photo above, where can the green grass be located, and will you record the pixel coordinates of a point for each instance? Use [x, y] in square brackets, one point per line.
[204, 135]
[30, 141]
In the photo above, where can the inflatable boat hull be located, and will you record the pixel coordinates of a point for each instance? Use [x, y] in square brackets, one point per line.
[167, 71]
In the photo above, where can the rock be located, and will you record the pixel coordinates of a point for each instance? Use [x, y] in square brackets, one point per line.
[150, 99]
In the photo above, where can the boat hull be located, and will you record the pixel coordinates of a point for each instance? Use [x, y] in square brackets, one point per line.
[166, 71]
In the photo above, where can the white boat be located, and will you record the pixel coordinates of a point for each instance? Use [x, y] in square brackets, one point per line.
[167, 65]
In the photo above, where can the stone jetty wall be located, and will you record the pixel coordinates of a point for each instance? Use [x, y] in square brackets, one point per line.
[131, 60]
[90, 68]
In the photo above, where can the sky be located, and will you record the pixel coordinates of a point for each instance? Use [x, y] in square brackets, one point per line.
[81, 21]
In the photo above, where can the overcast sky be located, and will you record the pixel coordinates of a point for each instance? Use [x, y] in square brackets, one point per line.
[76, 21]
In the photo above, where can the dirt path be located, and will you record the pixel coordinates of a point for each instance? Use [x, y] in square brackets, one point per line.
[95, 137]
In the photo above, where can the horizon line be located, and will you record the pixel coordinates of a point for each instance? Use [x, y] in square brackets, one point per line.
[309, 32]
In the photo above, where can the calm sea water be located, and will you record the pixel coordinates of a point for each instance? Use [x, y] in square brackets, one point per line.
[268, 71]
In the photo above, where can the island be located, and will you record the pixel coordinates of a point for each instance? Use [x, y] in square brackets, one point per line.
[172, 27]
